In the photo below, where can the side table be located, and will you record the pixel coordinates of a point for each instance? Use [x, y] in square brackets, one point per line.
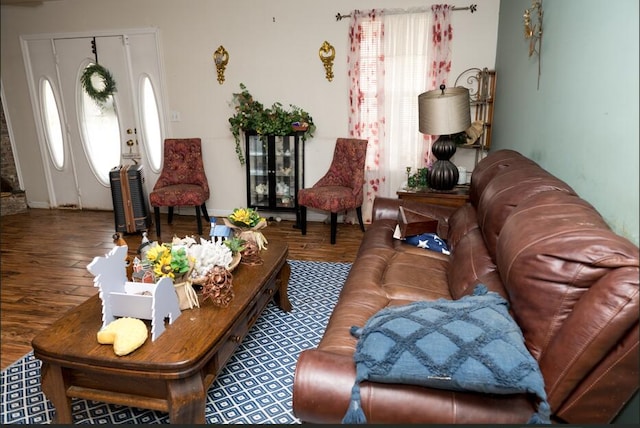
[456, 197]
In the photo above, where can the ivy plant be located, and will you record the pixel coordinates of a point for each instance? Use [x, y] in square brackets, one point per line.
[419, 180]
[251, 115]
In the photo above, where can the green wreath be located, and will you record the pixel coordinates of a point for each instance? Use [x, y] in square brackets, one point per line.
[99, 96]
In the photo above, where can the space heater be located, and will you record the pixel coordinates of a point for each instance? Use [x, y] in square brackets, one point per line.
[130, 204]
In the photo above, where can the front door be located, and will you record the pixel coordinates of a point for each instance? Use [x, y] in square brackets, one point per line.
[95, 136]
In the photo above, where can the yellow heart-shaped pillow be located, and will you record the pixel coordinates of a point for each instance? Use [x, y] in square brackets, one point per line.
[126, 334]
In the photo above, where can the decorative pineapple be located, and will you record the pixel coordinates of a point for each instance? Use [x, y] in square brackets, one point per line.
[251, 254]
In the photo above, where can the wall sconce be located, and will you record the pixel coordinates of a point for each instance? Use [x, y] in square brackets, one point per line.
[327, 54]
[221, 58]
[533, 31]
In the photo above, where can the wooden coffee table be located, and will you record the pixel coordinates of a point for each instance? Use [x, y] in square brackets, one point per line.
[171, 374]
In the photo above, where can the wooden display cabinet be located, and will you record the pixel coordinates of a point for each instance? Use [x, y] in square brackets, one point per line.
[275, 171]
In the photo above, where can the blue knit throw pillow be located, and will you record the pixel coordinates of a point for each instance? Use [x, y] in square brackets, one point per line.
[469, 344]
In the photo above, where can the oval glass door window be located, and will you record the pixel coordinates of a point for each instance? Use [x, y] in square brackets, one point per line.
[52, 124]
[101, 134]
[151, 124]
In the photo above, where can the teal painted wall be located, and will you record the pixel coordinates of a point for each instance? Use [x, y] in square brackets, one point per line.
[582, 122]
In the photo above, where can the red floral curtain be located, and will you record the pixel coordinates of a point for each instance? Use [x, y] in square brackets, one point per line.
[440, 60]
[375, 114]
[366, 75]
[440, 46]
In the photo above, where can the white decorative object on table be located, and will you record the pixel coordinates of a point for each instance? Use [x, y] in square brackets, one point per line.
[122, 298]
[208, 254]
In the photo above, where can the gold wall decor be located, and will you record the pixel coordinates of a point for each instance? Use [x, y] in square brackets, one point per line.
[533, 31]
[221, 58]
[327, 54]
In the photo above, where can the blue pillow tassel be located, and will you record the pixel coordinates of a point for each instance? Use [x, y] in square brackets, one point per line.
[542, 416]
[355, 414]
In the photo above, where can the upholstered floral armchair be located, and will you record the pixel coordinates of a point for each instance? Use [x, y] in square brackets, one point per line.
[341, 188]
[182, 181]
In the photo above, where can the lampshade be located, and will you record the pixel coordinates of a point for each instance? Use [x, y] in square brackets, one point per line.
[444, 111]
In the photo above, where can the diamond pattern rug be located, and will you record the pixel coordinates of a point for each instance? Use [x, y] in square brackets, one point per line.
[255, 387]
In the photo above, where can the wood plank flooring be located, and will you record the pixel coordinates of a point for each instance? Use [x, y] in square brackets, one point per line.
[44, 254]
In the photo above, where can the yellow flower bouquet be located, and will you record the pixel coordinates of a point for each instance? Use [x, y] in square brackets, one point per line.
[245, 217]
[167, 261]
[246, 223]
[175, 263]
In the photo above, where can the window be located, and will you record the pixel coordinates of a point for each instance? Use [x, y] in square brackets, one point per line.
[370, 71]
[52, 124]
[100, 134]
[151, 134]
[388, 68]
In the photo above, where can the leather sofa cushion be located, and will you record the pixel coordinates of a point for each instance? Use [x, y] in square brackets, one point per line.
[565, 272]
[470, 264]
[388, 273]
[322, 391]
[498, 163]
[469, 344]
[506, 191]
[460, 223]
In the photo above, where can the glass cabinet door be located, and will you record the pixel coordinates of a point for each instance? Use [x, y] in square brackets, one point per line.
[258, 172]
[284, 171]
[274, 171]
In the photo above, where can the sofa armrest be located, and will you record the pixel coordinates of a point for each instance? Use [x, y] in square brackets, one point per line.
[322, 393]
[385, 208]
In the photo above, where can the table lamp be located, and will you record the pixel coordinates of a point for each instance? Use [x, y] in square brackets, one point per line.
[444, 112]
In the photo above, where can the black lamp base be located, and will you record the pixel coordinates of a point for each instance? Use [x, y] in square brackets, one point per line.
[443, 174]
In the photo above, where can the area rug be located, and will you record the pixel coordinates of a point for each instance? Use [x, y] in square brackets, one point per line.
[255, 387]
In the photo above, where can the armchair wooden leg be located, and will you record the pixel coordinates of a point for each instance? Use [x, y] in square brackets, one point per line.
[297, 223]
[334, 227]
[199, 220]
[170, 215]
[359, 213]
[205, 214]
[156, 212]
[303, 219]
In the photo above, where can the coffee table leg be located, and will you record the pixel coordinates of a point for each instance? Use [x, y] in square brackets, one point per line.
[53, 385]
[283, 287]
[187, 400]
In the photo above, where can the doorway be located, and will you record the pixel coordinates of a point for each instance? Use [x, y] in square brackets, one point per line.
[81, 139]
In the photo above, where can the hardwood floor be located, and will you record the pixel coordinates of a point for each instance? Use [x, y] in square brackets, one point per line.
[44, 255]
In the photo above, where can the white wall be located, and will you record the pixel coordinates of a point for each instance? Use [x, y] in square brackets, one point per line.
[273, 48]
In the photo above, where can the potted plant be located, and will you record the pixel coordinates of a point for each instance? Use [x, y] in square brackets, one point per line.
[251, 115]
[235, 244]
[419, 180]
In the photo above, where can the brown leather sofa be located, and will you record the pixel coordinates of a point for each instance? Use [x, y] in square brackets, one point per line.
[571, 282]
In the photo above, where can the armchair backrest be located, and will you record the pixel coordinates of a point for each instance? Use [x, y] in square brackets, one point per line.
[347, 165]
[182, 163]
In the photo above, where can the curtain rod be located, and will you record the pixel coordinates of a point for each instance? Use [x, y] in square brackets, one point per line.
[471, 8]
